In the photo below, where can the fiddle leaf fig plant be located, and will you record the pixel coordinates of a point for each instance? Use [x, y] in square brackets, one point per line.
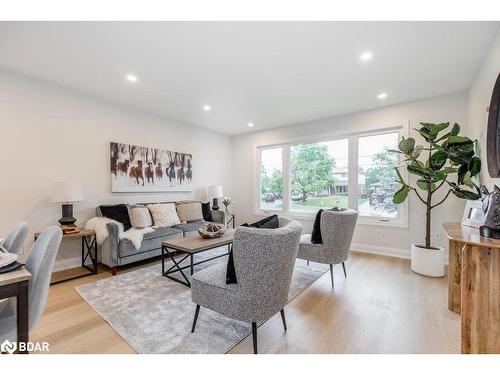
[446, 160]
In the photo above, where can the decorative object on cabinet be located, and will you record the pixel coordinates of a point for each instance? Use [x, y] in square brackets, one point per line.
[491, 209]
[66, 193]
[215, 191]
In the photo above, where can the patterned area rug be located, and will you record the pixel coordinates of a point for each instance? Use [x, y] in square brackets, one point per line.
[154, 314]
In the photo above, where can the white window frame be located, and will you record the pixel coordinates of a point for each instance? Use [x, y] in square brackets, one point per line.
[352, 137]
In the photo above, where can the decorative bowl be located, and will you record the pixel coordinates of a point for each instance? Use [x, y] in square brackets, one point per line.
[210, 230]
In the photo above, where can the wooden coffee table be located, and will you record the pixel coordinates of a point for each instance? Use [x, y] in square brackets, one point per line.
[190, 246]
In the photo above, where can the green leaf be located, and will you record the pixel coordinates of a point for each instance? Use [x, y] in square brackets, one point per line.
[400, 196]
[452, 139]
[465, 194]
[442, 137]
[436, 128]
[455, 129]
[449, 170]
[439, 176]
[395, 151]
[438, 160]
[467, 181]
[398, 173]
[417, 151]
[424, 132]
[462, 170]
[406, 145]
[415, 168]
[474, 166]
[423, 184]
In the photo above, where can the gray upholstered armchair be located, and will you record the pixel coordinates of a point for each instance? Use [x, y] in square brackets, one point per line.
[337, 228]
[13, 243]
[264, 261]
[39, 263]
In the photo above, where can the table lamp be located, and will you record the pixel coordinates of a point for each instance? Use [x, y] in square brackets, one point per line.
[215, 191]
[66, 192]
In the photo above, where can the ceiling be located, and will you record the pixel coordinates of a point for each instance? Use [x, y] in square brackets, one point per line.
[268, 73]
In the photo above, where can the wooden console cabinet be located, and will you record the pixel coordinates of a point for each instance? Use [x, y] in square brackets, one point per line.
[474, 287]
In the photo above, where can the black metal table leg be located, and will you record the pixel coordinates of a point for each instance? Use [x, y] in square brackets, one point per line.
[23, 315]
[176, 266]
[87, 253]
[178, 269]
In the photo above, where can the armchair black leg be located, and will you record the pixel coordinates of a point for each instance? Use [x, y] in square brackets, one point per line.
[254, 336]
[197, 311]
[307, 262]
[343, 266]
[331, 274]
[282, 311]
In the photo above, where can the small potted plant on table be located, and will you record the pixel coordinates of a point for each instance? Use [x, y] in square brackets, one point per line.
[450, 161]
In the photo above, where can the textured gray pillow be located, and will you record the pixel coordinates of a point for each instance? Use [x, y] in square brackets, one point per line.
[139, 217]
[189, 211]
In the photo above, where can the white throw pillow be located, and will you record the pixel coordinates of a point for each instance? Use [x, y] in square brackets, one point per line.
[139, 217]
[164, 214]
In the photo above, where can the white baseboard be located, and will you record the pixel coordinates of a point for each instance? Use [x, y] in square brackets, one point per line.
[381, 250]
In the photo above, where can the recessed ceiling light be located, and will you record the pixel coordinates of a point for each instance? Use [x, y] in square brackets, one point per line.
[382, 95]
[131, 78]
[251, 124]
[366, 56]
[206, 107]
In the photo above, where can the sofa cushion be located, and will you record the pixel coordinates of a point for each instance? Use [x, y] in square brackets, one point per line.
[164, 214]
[150, 242]
[118, 212]
[189, 227]
[189, 211]
[139, 216]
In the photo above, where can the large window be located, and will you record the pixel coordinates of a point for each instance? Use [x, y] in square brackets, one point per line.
[271, 179]
[376, 175]
[318, 175]
[355, 171]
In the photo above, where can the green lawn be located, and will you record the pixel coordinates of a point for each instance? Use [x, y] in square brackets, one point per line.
[311, 204]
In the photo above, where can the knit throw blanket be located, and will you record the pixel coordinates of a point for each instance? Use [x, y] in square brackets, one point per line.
[98, 225]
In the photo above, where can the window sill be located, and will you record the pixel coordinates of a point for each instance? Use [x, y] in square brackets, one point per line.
[362, 220]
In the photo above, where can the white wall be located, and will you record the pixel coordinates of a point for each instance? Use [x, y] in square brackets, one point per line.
[49, 133]
[479, 99]
[395, 241]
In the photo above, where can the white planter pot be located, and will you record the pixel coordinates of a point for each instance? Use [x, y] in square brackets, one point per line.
[427, 262]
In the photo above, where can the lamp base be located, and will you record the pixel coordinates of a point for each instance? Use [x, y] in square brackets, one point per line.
[67, 216]
[215, 204]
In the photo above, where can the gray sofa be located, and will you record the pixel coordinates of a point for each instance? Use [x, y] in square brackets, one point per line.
[117, 252]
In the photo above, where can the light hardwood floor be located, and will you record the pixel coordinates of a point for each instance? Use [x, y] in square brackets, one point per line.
[381, 307]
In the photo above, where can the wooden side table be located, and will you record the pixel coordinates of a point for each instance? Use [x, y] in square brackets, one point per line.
[89, 251]
[16, 284]
[474, 287]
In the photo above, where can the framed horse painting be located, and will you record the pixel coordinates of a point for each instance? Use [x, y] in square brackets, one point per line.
[145, 169]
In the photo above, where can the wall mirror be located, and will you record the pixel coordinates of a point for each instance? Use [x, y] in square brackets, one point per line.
[493, 135]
